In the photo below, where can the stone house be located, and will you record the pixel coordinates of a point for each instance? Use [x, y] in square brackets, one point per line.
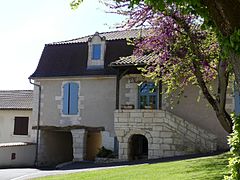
[86, 97]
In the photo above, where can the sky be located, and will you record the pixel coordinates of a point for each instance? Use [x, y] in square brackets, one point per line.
[27, 25]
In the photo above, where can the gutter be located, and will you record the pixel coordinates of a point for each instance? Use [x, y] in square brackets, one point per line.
[38, 121]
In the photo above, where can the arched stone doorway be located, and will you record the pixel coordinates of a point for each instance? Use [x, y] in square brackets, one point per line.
[138, 147]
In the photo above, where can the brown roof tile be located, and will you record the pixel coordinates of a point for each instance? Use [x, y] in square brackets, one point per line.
[113, 35]
[16, 99]
[132, 61]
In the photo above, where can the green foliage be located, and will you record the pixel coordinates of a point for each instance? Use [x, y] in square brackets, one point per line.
[105, 153]
[188, 6]
[75, 3]
[231, 43]
[234, 142]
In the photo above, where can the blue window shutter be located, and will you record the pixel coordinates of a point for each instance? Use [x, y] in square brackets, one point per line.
[96, 51]
[73, 98]
[66, 99]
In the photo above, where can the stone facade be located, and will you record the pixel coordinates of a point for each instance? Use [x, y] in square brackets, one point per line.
[42, 158]
[79, 141]
[107, 140]
[167, 134]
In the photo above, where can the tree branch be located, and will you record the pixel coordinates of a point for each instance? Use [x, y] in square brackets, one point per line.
[217, 104]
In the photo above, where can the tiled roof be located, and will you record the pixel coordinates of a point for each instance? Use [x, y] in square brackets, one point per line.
[113, 35]
[15, 144]
[71, 59]
[132, 61]
[16, 99]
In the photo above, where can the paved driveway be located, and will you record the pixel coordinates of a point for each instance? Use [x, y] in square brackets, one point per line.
[29, 173]
[6, 174]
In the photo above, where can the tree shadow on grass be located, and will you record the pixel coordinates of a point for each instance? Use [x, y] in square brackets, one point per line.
[212, 169]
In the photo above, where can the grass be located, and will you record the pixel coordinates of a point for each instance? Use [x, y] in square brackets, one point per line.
[205, 168]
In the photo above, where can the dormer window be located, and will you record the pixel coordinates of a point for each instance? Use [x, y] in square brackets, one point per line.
[96, 52]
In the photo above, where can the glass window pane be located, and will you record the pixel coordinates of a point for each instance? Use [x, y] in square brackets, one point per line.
[144, 88]
[143, 102]
[152, 88]
[152, 102]
[21, 126]
[148, 96]
[96, 51]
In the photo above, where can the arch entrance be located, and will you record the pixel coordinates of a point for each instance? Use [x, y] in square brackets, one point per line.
[138, 147]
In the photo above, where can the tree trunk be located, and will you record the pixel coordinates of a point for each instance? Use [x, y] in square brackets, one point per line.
[219, 103]
[226, 16]
[223, 77]
[225, 120]
[234, 59]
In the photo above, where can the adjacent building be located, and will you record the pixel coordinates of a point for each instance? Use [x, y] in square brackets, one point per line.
[17, 147]
[15, 116]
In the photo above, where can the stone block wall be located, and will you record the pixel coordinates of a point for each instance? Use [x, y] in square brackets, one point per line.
[107, 140]
[132, 93]
[167, 134]
[42, 156]
[79, 143]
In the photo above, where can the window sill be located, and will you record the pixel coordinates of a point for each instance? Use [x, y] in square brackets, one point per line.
[23, 136]
[70, 115]
[95, 67]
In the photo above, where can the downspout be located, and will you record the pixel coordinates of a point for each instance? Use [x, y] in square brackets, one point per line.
[38, 120]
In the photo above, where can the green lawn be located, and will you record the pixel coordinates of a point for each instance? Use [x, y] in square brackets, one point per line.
[206, 168]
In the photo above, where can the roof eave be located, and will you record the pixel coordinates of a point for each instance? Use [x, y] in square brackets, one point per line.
[13, 108]
[127, 65]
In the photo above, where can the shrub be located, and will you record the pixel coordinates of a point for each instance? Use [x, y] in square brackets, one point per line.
[234, 142]
[105, 153]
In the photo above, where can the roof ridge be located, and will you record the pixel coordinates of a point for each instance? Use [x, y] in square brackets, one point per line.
[119, 31]
[16, 90]
[75, 40]
[60, 42]
[28, 90]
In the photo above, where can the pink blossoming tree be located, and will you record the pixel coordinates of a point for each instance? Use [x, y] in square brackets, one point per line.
[181, 52]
